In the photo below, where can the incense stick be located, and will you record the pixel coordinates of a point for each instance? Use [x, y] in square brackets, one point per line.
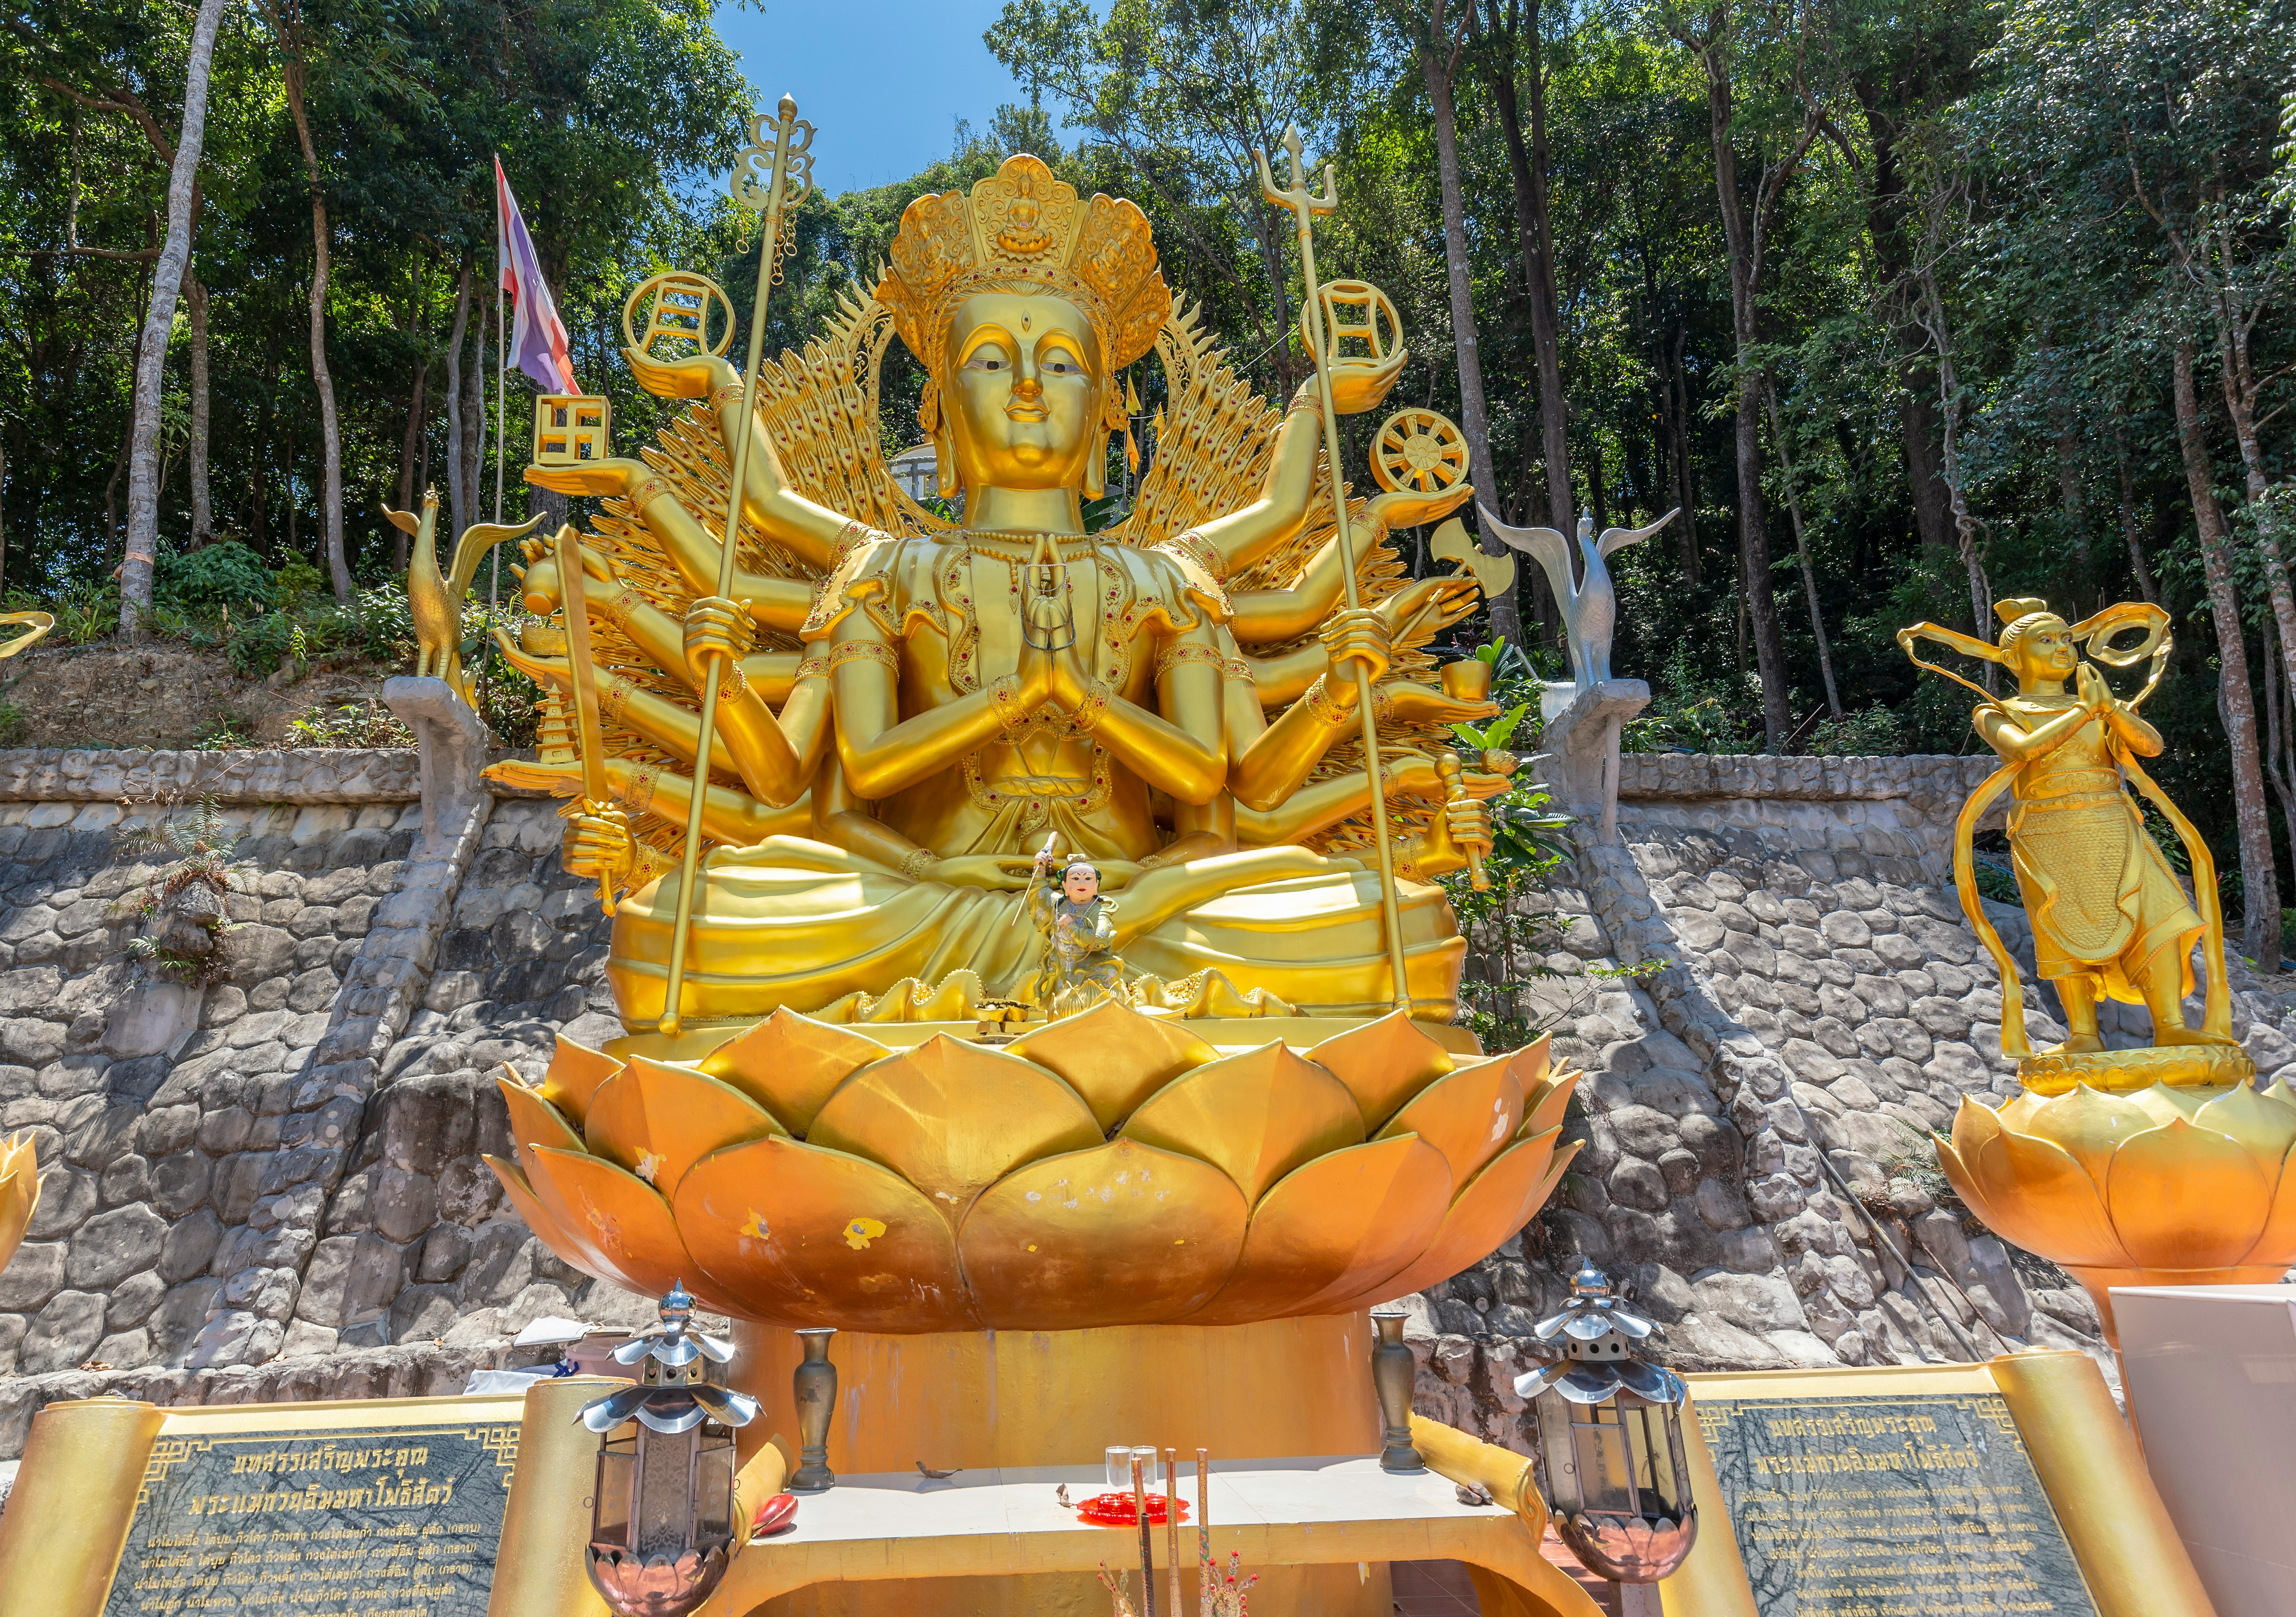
[1172, 1526]
[1203, 1532]
[1147, 1541]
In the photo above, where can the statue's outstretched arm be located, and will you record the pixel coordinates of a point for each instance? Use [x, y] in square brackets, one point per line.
[1246, 534]
[777, 603]
[1325, 803]
[1418, 608]
[735, 819]
[810, 531]
[1278, 760]
[669, 727]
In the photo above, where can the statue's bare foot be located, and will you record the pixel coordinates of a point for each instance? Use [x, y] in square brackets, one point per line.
[2176, 1033]
[2080, 1044]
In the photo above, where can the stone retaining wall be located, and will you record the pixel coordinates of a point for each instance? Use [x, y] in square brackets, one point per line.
[272, 1184]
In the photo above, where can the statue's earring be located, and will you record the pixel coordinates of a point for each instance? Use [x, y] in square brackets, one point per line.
[948, 482]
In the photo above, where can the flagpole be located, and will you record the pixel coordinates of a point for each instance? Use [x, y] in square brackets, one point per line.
[502, 383]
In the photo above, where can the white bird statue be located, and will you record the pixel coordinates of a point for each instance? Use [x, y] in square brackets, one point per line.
[1590, 605]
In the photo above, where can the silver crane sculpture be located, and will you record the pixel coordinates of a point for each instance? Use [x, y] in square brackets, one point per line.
[1590, 605]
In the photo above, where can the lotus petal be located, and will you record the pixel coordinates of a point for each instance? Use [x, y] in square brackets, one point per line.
[1120, 1234]
[2281, 1092]
[2017, 1112]
[954, 1118]
[1533, 1063]
[2187, 1197]
[1114, 1056]
[20, 1192]
[2265, 1129]
[1543, 1104]
[2165, 1103]
[657, 1120]
[620, 1217]
[2033, 1193]
[2279, 1232]
[533, 1121]
[1383, 1064]
[1470, 1115]
[1256, 1116]
[1335, 1226]
[1498, 1203]
[790, 1064]
[1974, 1123]
[573, 1077]
[807, 1235]
[530, 1208]
[2089, 1124]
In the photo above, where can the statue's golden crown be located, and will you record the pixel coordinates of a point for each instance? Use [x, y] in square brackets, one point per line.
[1022, 226]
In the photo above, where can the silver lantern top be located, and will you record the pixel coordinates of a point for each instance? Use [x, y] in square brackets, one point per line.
[672, 1394]
[1600, 1334]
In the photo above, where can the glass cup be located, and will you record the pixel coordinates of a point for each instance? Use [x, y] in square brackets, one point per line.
[1119, 1457]
[1468, 679]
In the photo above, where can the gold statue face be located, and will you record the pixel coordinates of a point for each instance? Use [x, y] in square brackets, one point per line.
[2046, 653]
[1021, 398]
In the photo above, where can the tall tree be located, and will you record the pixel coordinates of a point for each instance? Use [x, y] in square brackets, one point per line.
[1712, 38]
[291, 26]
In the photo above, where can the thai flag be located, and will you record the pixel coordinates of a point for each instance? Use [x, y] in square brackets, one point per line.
[538, 341]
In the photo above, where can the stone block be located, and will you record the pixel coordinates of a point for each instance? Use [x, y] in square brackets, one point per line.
[113, 1246]
[63, 1335]
[350, 1278]
[35, 1274]
[67, 1198]
[180, 1182]
[422, 1313]
[1635, 1183]
[1757, 1303]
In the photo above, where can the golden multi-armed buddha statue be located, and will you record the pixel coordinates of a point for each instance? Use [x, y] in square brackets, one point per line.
[914, 711]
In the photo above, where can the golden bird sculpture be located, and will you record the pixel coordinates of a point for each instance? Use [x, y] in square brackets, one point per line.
[435, 599]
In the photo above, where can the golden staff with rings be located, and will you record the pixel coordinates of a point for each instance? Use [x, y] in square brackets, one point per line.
[1305, 205]
[782, 148]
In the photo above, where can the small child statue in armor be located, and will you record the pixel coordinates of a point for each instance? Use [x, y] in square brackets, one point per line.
[1081, 964]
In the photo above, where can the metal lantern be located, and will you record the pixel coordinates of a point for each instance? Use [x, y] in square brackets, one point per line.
[663, 1513]
[1610, 1429]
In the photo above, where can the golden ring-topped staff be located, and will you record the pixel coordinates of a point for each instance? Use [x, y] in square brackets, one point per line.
[785, 144]
[1304, 205]
[597, 798]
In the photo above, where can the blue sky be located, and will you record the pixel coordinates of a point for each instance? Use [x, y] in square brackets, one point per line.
[883, 80]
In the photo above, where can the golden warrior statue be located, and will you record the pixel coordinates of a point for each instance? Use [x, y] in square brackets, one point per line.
[910, 707]
[2109, 918]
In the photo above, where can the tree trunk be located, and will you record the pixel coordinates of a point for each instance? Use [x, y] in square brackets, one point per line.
[1802, 553]
[1271, 265]
[142, 549]
[331, 505]
[2279, 764]
[1528, 167]
[1753, 531]
[2260, 882]
[1676, 380]
[2241, 390]
[1437, 63]
[459, 495]
[408, 448]
[1916, 416]
[195, 294]
[2132, 528]
[473, 447]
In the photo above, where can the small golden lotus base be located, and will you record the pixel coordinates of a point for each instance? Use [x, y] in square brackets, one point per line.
[1226, 1034]
[981, 1399]
[2126, 1072]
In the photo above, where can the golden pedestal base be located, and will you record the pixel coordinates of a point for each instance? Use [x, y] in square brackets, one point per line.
[2126, 1072]
[973, 1399]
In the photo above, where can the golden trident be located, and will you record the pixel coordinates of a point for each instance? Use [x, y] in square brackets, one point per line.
[1305, 205]
[784, 147]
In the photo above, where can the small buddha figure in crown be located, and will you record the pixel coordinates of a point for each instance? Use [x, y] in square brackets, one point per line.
[2109, 918]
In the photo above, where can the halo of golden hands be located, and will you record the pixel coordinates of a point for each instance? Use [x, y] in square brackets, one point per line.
[679, 312]
[1418, 451]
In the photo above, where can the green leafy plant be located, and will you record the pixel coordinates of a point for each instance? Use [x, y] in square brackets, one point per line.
[297, 582]
[209, 581]
[364, 723]
[1875, 733]
[14, 722]
[182, 909]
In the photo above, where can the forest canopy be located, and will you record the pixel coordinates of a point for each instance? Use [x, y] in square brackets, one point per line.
[1910, 309]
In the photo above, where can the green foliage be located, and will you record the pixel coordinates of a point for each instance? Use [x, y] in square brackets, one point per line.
[350, 723]
[13, 724]
[181, 911]
[208, 581]
[1874, 733]
[1692, 710]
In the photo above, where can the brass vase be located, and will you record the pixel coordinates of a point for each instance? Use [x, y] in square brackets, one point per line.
[1392, 1372]
[815, 1381]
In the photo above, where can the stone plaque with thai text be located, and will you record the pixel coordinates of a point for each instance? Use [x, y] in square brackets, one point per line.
[397, 1521]
[1920, 1505]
